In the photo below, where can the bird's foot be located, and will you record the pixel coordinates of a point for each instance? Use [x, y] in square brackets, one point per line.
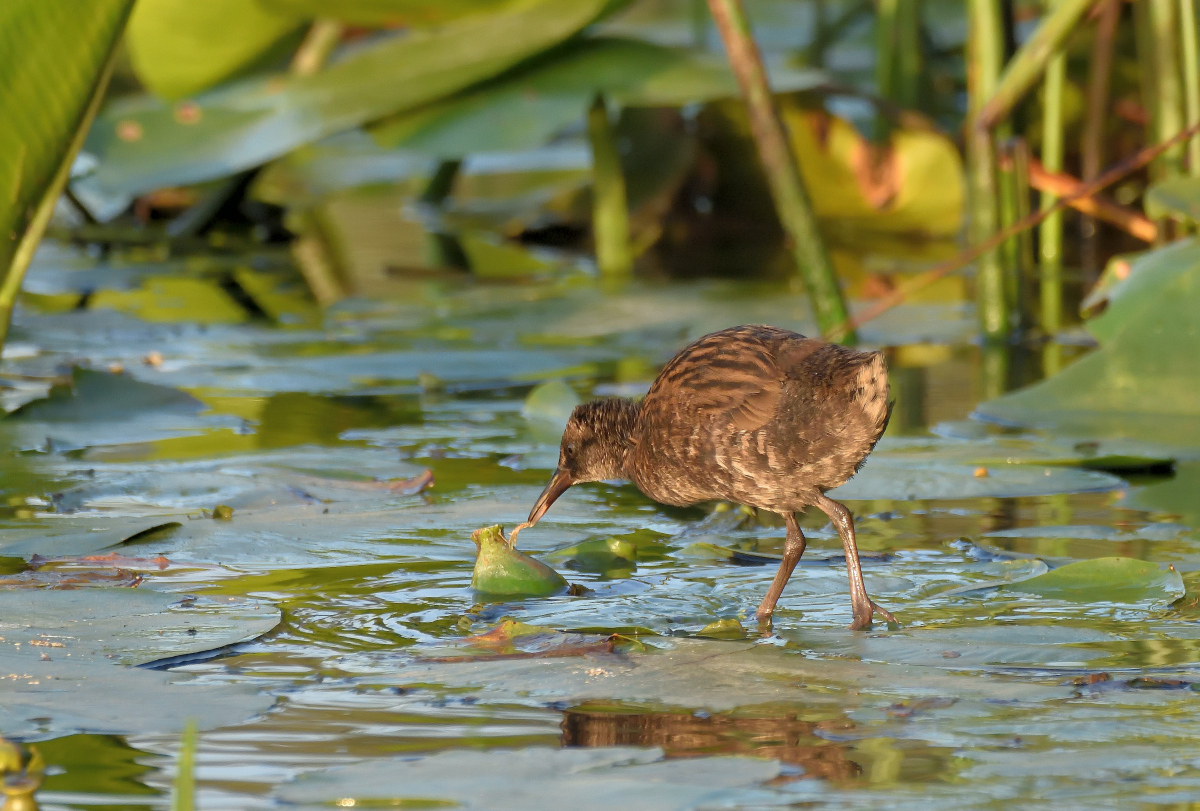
[863, 614]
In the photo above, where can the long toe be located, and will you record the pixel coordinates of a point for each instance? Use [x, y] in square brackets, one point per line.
[883, 612]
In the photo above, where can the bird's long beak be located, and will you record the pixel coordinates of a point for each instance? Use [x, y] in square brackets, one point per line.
[557, 485]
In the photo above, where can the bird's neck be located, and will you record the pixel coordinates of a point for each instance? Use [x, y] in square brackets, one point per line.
[621, 428]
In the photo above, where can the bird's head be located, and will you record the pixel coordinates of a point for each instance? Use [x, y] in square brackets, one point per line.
[594, 446]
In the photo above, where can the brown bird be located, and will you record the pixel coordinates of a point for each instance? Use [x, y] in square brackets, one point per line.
[752, 414]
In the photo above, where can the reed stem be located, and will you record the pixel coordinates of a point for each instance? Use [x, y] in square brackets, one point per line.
[1167, 86]
[1095, 121]
[610, 210]
[1032, 58]
[1050, 232]
[783, 173]
[985, 40]
[1190, 57]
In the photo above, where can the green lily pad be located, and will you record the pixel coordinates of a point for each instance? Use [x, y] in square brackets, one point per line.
[501, 571]
[537, 778]
[1113, 580]
[607, 555]
[72, 649]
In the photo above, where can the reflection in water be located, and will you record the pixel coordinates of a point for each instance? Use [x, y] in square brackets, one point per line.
[683, 734]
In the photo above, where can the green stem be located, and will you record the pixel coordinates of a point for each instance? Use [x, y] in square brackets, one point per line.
[908, 55]
[886, 13]
[1096, 118]
[441, 183]
[985, 48]
[1168, 81]
[783, 172]
[699, 25]
[1050, 234]
[317, 46]
[1190, 54]
[183, 793]
[897, 58]
[610, 209]
[1031, 59]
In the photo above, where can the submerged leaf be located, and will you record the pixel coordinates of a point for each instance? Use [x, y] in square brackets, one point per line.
[1116, 580]
[502, 571]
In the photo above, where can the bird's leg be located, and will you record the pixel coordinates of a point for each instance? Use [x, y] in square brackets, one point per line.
[793, 548]
[860, 604]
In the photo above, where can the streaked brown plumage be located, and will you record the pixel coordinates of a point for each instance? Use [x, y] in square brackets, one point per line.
[752, 414]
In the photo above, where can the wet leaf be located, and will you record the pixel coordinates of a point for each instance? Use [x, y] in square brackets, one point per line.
[387, 12]
[723, 629]
[179, 48]
[611, 556]
[903, 476]
[538, 778]
[1116, 580]
[246, 123]
[93, 396]
[66, 649]
[501, 571]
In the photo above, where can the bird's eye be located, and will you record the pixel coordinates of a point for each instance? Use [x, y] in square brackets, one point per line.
[571, 448]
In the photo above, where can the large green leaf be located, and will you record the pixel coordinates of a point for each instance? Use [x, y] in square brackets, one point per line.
[523, 109]
[180, 47]
[56, 57]
[386, 12]
[1114, 580]
[1141, 383]
[144, 143]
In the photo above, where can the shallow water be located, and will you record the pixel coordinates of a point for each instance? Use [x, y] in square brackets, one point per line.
[981, 699]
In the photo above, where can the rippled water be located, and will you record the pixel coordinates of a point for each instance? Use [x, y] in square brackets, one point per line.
[980, 699]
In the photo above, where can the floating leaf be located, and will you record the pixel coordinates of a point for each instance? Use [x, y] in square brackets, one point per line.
[723, 629]
[66, 650]
[95, 396]
[1113, 580]
[537, 778]
[610, 556]
[502, 571]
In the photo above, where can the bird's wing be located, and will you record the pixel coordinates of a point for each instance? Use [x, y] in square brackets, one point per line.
[732, 376]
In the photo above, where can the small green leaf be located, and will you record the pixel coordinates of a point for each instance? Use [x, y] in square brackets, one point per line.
[1114, 580]
[607, 555]
[723, 629]
[502, 571]
[1175, 197]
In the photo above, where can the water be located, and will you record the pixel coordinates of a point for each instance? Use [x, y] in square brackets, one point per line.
[981, 699]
